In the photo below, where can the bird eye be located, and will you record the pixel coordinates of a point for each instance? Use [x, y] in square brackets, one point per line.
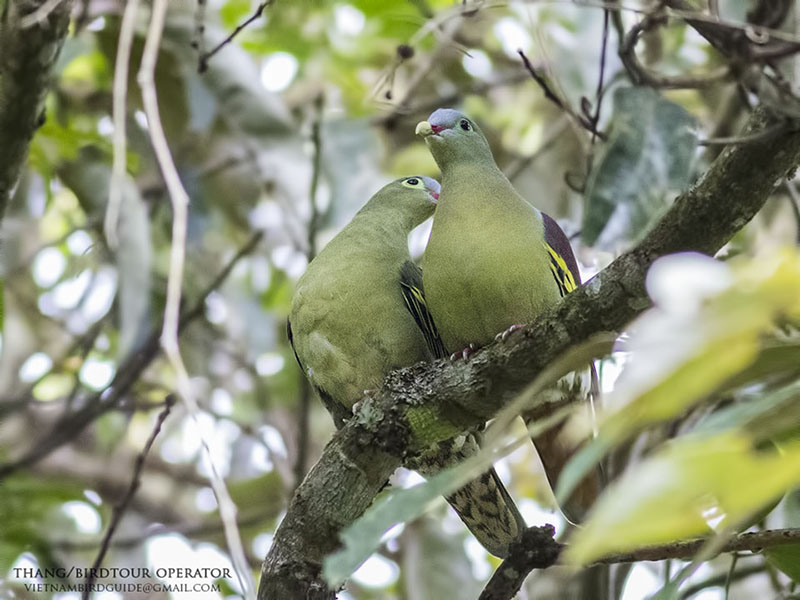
[465, 125]
[412, 182]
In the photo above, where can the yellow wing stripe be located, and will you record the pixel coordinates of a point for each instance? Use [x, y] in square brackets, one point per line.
[415, 303]
[560, 271]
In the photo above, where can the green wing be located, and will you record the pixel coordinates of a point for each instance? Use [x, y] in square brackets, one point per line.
[338, 413]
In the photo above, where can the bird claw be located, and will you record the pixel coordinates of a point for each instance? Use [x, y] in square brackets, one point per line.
[464, 354]
[357, 406]
[503, 336]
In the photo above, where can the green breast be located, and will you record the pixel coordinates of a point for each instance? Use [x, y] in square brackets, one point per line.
[485, 267]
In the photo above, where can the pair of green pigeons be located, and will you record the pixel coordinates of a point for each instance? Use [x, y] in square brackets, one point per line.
[493, 261]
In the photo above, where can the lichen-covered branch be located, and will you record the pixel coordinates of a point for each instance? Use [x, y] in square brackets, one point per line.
[361, 457]
[27, 56]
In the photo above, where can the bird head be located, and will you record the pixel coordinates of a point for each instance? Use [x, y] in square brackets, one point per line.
[419, 182]
[411, 199]
[452, 136]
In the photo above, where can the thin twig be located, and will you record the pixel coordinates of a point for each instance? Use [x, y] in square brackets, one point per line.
[738, 140]
[426, 106]
[729, 578]
[420, 74]
[39, 15]
[122, 506]
[83, 16]
[538, 550]
[539, 79]
[316, 163]
[721, 578]
[550, 95]
[303, 420]
[199, 41]
[600, 79]
[188, 530]
[205, 57]
[641, 75]
[169, 336]
[120, 93]
[794, 204]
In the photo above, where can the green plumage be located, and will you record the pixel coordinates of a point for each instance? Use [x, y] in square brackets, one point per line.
[349, 322]
[359, 312]
[493, 260]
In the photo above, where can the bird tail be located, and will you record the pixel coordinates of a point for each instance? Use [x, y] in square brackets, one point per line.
[484, 504]
[556, 449]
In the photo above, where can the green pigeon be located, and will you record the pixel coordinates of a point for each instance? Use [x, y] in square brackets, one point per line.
[359, 312]
[494, 262]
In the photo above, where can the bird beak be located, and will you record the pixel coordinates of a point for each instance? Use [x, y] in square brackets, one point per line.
[435, 195]
[424, 129]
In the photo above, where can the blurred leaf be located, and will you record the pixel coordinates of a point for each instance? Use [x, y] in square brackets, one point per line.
[26, 504]
[676, 493]
[259, 501]
[363, 537]
[134, 264]
[787, 558]
[777, 358]
[670, 591]
[433, 561]
[263, 491]
[682, 353]
[346, 147]
[763, 415]
[53, 386]
[234, 11]
[647, 157]
[54, 143]
[169, 77]
[278, 296]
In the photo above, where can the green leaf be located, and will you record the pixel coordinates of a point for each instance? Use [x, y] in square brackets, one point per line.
[432, 560]
[680, 355]
[134, 260]
[787, 558]
[28, 507]
[646, 159]
[363, 537]
[676, 494]
[763, 415]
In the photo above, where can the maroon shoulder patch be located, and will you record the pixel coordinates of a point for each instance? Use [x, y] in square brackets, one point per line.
[558, 241]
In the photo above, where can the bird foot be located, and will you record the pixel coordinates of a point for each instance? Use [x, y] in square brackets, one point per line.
[503, 336]
[357, 406]
[465, 353]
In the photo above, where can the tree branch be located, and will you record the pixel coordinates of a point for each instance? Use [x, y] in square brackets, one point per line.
[122, 505]
[538, 550]
[361, 457]
[27, 56]
[202, 66]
